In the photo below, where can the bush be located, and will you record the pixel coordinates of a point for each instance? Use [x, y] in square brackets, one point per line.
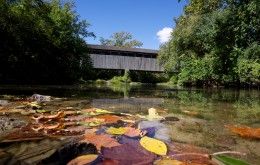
[121, 79]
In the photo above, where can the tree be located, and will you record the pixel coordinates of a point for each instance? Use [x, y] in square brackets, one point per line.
[216, 45]
[41, 42]
[121, 39]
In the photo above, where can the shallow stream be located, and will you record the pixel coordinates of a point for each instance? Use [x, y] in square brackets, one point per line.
[202, 115]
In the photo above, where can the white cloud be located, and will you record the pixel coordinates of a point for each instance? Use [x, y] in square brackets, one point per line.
[164, 34]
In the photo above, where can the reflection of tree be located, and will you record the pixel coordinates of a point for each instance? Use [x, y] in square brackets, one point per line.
[122, 88]
[237, 106]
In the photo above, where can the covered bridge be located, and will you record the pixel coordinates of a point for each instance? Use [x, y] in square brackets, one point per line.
[110, 57]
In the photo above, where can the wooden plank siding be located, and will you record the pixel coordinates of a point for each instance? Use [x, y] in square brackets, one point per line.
[102, 61]
[111, 57]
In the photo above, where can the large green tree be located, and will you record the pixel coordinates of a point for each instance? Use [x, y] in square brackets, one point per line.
[41, 42]
[121, 39]
[215, 42]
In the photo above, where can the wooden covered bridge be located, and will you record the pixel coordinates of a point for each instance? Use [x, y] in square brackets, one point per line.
[110, 57]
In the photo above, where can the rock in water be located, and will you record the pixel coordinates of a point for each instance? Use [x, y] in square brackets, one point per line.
[161, 130]
[40, 98]
[3, 102]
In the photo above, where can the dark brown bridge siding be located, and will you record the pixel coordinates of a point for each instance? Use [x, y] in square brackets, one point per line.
[107, 57]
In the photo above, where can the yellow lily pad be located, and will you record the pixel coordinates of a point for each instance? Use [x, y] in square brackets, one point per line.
[116, 131]
[153, 145]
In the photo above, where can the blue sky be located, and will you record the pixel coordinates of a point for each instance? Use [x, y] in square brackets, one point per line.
[143, 18]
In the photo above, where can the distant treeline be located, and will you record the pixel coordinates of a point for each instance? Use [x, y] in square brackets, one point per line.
[42, 42]
[215, 42]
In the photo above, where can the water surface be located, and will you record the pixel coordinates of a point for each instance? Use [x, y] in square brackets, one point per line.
[203, 113]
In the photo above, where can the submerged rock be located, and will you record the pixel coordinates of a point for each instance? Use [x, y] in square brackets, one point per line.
[3, 102]
[40, 98]
[161, 130]
[9, 123]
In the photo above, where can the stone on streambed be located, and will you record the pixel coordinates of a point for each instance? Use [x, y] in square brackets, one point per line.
[4, 102]
[40, 98]
[9, 123]
[161, 130]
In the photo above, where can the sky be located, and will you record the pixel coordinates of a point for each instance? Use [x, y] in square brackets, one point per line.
[149, 21]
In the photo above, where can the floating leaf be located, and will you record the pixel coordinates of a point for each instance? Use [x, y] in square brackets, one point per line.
[91, 124]
[132, 132]
[21, 135]
[56, 126]
[58, 115]
[168, 161]
[42, 111]
[33, 105]
[109, 118]
[153, 145]
[95, 111]
[174, 162]
[246, 132]
[128, 154]
[84, 159]
[75, 118]
[76, 129]
[99, 140]
[229, 160]
[116, 131]
[92, 119]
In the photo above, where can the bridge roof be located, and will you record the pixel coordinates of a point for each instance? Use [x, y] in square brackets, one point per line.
[114, 48]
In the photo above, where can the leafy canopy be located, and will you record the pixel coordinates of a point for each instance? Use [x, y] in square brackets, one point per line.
[42, 42]
[121, 39]
[215, 42]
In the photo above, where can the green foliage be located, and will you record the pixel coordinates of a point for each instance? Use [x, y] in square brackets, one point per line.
[215, 42]
[248, 64]
[148, 77]
[121, 39]
[121, 79]
[42, 42]
[173, 80]
[100, 82]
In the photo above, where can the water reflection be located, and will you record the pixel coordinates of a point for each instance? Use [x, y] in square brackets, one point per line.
[203, 113]
[128, 105]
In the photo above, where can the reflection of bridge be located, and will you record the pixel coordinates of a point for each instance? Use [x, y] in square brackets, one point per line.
[133, 105]
[110, 57]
